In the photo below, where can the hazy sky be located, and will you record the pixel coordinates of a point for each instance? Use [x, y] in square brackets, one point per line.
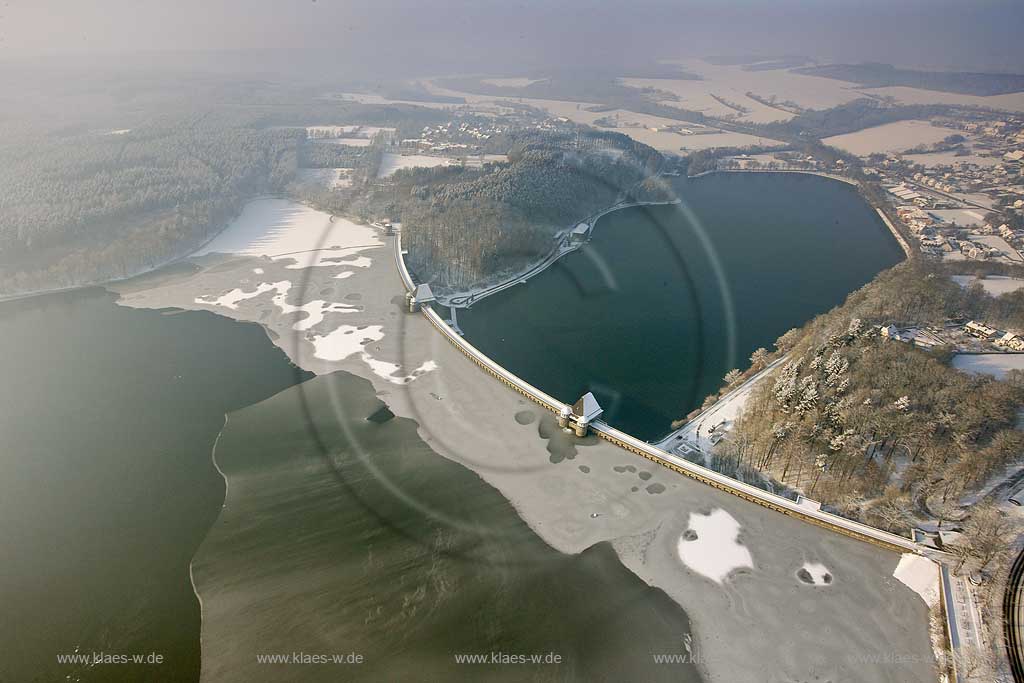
[476, 35]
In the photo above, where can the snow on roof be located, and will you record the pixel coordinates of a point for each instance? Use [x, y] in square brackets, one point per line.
[423, 293]
[587, 407]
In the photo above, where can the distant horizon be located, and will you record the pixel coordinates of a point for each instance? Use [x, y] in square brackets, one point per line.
[316, 63]
[496, 37]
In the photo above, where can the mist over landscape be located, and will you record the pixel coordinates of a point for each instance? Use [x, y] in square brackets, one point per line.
[410, 38]
[512, 341]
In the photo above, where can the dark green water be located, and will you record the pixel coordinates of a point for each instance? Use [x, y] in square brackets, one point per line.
[340, 534]
[107, 417]
[346, 535]
[639, 316]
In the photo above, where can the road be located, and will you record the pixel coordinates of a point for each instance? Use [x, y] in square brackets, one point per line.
[696, 432]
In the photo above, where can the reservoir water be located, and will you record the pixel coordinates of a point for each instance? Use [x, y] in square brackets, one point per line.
[342, 532]
[664, 300]
[107, 417]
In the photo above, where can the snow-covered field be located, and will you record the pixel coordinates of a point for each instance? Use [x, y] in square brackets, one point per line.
[950, 159]
[963, 217]
[645, 128]
[329, 131]
[994, 364]
[280, 228]
[348, 142]
[810, 92]
[891, 137]
[996, 285]
[697, 96]
[1011, 101]
[512, 82]
[395, 162]
[329, 178]
[343, 133]
[709, 546]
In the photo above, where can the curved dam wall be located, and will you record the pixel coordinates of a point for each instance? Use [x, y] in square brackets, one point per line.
[675, 463]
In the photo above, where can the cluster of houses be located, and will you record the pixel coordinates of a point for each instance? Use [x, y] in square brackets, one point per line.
[1008, 341]
[990, 177]
[922, 338]
[929, 338]
[464, 135]
[940, 238]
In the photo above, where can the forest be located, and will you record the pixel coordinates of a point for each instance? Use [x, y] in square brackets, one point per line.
[462, 226]
[97, 206]
[880, 430]
[150, 170]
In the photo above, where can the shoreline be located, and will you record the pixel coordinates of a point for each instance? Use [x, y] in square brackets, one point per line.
[467, 297]
[148, 270]
[907, 250]
[820, 174]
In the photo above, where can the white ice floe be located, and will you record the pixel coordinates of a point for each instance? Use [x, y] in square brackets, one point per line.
[389, 371]
[709, 546]
[315, 310]
[281, 229]
[258, 271]
[919, 574]
[357, 262]
[237, 295]
[344, 341]
[819, 573]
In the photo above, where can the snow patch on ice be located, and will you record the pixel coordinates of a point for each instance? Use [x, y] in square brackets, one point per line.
[818, 573]
[344, 341]
[315, 310]
[709, 547]
[237, 295]
[389, 371]
[919, 574]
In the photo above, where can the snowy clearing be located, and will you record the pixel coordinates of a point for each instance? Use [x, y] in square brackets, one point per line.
[395, 162]
[996, 285]
[994, 364]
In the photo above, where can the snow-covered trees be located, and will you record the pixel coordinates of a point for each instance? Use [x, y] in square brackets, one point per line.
[848, 412]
